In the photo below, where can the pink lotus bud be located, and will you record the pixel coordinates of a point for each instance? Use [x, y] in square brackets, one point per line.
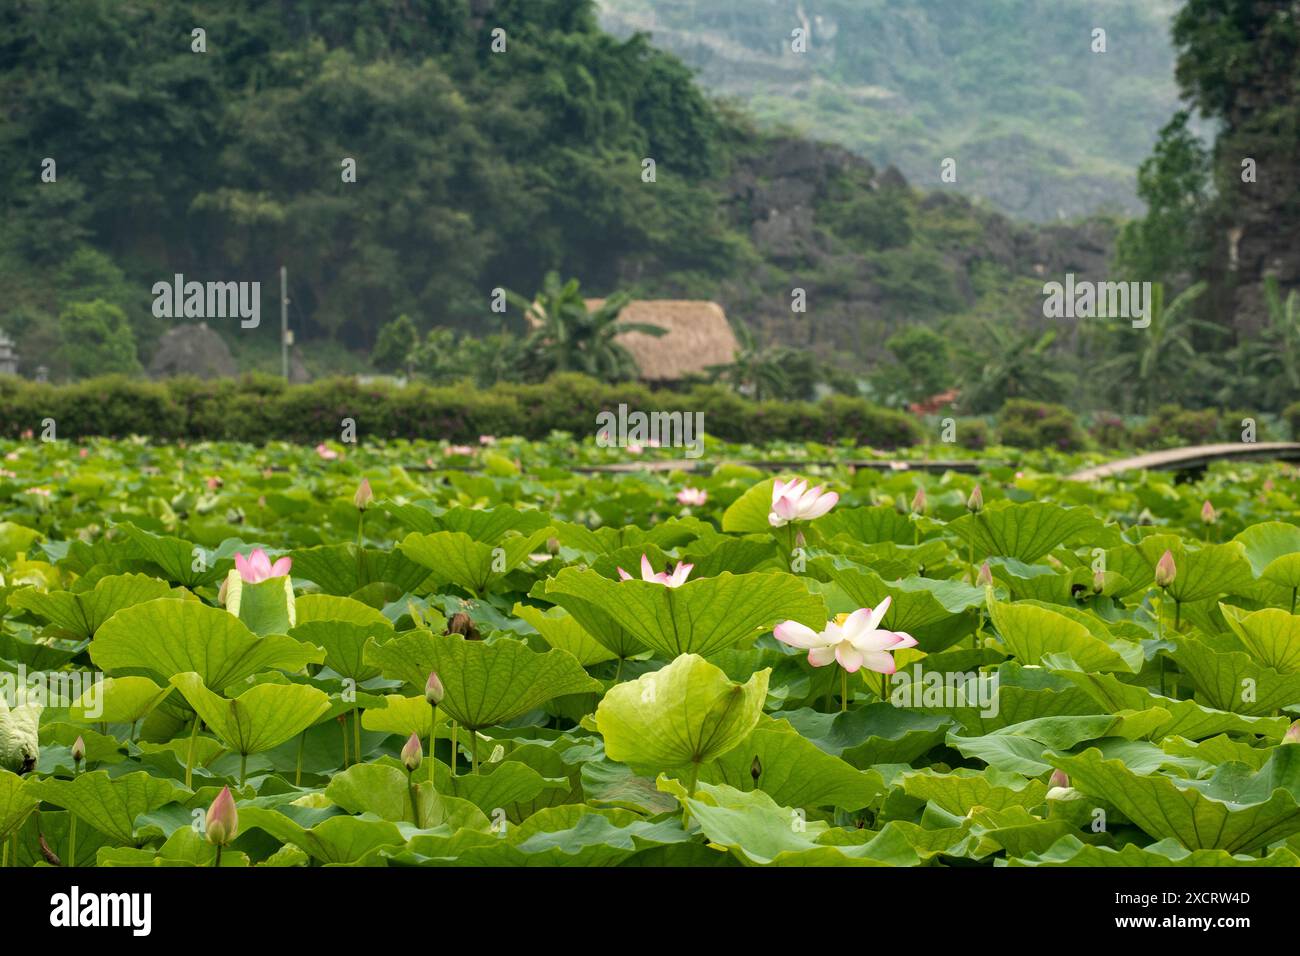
[412, 754]
[433, 689]
[364, 495]
[1208, 514]
[1058, 779]
[79, 749]
[1292, 735]
[975, 503]
[1166, 570]
[223, 819]
[985, 577]
[918, 502]
[1098, 582]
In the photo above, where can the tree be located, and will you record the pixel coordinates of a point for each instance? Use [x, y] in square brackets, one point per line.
[756, 371]
[395, 347]
[923, 367]
[95, 339]
[569, 337]
[1001, 362]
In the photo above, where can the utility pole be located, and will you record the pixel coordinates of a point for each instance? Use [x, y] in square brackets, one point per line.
[284, 322]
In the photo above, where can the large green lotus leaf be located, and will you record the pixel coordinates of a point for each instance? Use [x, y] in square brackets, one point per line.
[1020, 748]
[1233, 680]
[1273, 549]
[497, 786]
[109, 804]
[1187, 718]
[1237, 809]
[16, 539]
[176, 558]
[891, 561]
[1071, 851]
[687, 713]
[748, 513]
[337, 840]
[259, 719]
[486, 683]
[560, 629]
[118, 700]
[1015, 830]
[330, 607]
[602, 541]
[793, 770]
[486, 525]
[1025, 531]
[345, 645]
[401, 715]
[456, 558]
[82, 614]
[761, 832]
[935, 612]
[600, 625]
[871, 734]
[1033, 632]
[870, 525]
[605, 783]
[1272, 636]
[266, 607]
[167, 637]
[1020, 693]
[958, 791]
[709, 557]
[334, 568]
[700, 617]
[385, 791]
[1219, 750]
[1204, 572]
[16, 802]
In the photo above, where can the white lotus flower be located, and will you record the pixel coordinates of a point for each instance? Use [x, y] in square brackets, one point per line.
[795, 501]
[856, 642]
[674, 580]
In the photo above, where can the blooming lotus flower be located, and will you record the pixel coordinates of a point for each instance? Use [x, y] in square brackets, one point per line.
[433, 689]
[1207, 512]
[1166, 570]
[487, 439]
[223, 819]
[692, 496]
[364, 495]
[795, 501]
[856, 643]
[975, 503]
[326, 452]
[674, 580]
[258, 567]
[412, 754]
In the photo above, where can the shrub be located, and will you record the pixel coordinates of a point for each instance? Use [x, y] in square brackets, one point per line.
[1109, 431]
[1029, 424]
[1171, 425]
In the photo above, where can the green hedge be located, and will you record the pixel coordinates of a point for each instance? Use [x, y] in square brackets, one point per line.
[257, 409]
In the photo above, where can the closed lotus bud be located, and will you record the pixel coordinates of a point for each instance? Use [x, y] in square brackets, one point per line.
[1058, 779]
[223, 819]
[756, 769]
[1208, 514]
[412, 754]
[1098, 582]
[975, 503]
[552, 545]
[1292, 735]
[918, 502]
[364, 495]
[985, 577]
[799, 540]
[1166, 570]
[462, 624]
[79, 750]
[433, 689]
[221, 592]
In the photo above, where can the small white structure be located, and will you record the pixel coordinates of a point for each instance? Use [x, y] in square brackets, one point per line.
[8, 357]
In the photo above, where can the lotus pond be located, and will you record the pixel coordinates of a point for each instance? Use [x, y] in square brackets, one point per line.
[406, 654]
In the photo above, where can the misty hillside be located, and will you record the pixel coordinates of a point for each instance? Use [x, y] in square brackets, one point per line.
[1040, 125]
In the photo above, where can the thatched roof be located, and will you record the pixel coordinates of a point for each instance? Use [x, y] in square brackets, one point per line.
[698, 336]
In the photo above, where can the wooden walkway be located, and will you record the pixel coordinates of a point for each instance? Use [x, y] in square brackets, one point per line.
[877, 464]
[1195, 458]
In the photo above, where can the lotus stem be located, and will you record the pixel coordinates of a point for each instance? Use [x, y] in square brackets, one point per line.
[473, 749]
[691, 783]
[455, 746]
[189, 761]
[243, 768]
[302, 745]
[356, 731]
[343, 726]
[216, 863]
[618, 671]
[433, 733]
[1293, 594]
[844, 690]
[884, 687]
[361, 554]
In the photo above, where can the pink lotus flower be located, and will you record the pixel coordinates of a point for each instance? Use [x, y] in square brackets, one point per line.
[674, 580]
[84, 452]
[692, 496]
[364, 495]
[856, 643]
[1208, 514]
[223, 819]
[1166, 570]
[412, 754]
[258, 567]
[213, 482]
[459, 450]
[634, 449]
[434, 692]
[795, 501]
[326, 452]
[487, 439]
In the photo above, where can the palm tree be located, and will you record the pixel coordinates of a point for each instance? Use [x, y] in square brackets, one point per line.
[568, 337]
[1166, 352]
[756, 371]
[1003, 362]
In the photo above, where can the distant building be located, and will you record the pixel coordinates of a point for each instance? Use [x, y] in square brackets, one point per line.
[8, 357]
[699, 336]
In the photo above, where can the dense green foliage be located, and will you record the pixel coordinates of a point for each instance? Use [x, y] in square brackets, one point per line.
[446, 668]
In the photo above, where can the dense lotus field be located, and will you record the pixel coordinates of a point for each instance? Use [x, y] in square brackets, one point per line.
[435, 655]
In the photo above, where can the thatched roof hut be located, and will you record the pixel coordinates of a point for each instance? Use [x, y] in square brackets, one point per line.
[698, 336]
